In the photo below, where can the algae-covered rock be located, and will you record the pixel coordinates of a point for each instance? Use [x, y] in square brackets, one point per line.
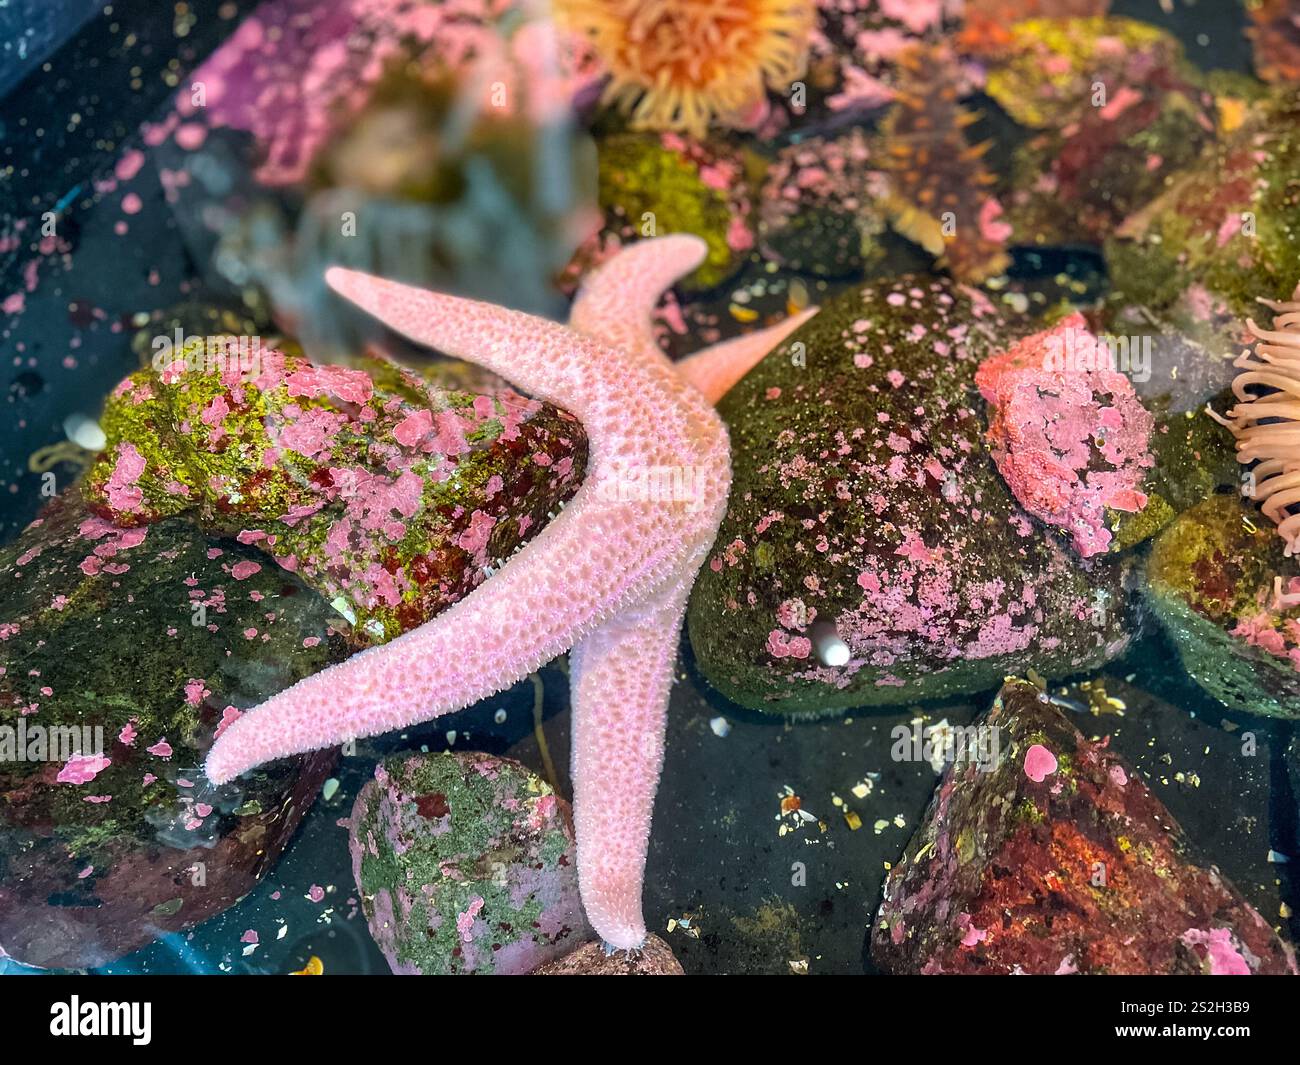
[1212, 579]
[1194, 457]
[655, 958]
[871, 553]
[390, 497]
[1078, 183]
[465, 864]
[1227, 230]
[653, 185]
[1058, 859]
[819, 210]
[1050, 68]
[123, 652]
[1116, 112]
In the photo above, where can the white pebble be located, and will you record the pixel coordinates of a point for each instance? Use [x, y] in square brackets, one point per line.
[84, 432]
[831, 650]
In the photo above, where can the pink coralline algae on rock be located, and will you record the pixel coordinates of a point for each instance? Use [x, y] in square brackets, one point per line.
[391, 497]
[871, 553]
[1067, 431]
[465, 864]
[608, 578]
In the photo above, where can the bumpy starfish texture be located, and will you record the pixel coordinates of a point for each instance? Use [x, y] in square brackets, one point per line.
[608, 578]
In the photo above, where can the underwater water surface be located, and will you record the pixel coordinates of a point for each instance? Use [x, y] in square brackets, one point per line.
[987, 661]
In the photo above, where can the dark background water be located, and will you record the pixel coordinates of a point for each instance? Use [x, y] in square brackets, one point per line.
[717, 857]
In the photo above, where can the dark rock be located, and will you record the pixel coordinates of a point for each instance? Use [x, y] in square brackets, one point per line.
[147, 635]
[1060, 860]
[866, 508]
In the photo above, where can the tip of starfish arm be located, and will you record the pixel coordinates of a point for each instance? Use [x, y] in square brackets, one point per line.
[219, 767]
[349, 283]
[629, 939]
[687, 247]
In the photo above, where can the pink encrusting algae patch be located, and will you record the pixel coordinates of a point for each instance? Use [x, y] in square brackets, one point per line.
[1040, 763]
[1067, 431]
[82, 768]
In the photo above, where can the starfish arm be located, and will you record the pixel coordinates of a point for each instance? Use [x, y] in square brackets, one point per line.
[616, 301]
[620, 680]
[571, 578]
[715, 370]
[600, 385]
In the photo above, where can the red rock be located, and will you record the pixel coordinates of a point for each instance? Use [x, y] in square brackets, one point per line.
[1082, 871]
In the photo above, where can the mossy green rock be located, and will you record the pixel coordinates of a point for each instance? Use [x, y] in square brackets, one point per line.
[652, 181]
[391, 497]
[1194, 458]
[465, 864]
[146, 636]
[1227, 231]
[1210, 580]
[865, 509]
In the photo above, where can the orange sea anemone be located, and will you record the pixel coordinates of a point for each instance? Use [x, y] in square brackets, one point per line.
[1266, 421]
[678, 64]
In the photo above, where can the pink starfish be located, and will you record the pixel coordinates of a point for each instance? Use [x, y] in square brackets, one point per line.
[608, 578]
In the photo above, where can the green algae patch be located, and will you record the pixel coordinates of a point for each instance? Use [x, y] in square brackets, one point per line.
[658, 182]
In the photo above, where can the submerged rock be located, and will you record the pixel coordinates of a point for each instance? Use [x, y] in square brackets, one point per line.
[871, 553]
[1118, 113]
[465, 864]
[390, 497]
[1224, 233]
[1212, 579]
[655, 958]
[1060, 860]
[656, 184]
[817, 210]
[123, 652]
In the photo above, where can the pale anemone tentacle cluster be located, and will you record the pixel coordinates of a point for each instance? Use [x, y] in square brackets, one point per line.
[678, 64]
[607, 578]
[1266, 423]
